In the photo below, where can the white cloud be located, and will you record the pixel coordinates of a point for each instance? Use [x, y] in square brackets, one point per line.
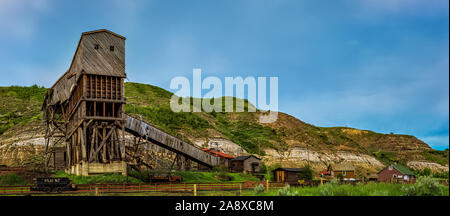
[18, 18]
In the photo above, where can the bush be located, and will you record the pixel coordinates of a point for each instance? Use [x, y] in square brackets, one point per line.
[12, 179]
[259, 189]
[286, 191]
[307, 173]
[425, 186]
[328, 189]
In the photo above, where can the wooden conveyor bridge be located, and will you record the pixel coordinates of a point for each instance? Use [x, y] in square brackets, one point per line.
[156, 136]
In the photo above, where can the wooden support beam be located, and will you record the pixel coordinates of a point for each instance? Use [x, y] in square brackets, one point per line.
[104, 147]
[82, 133]
[93, 138]
[119, 156]
[102, 143]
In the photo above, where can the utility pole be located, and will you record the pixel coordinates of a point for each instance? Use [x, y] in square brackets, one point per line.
[307, 149]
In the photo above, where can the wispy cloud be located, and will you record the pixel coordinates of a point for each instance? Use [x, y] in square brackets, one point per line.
[19, 17]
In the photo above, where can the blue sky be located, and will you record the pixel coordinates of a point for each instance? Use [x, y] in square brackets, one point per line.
[381, 65]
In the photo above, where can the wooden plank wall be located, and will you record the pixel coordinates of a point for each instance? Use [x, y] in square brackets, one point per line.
[161, 138]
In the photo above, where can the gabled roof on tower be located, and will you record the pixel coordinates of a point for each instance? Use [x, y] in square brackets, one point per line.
[103, 30]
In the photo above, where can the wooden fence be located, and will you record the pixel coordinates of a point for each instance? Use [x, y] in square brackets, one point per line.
[129, 188]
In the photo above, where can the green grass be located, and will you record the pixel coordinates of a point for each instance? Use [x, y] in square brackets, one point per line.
[199, 177]
[170, 121]
[12, 180]
[94, 179]
[370, 189]
[440, 157]
[387, 157]
[20, 105]
[251, 136]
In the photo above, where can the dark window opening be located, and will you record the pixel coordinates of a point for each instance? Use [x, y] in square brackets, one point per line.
[111, 48]
[96, 46]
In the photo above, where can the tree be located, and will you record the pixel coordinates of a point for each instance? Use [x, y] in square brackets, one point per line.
[307, 173]
[426, 171]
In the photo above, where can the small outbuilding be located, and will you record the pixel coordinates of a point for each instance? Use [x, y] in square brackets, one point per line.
[396, 173]
[287, 175]
[346, 170]
[225, 158]
[247, 164]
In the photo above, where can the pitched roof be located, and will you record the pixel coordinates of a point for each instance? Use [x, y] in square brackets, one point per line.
[343, 167]
[104, 30]
[403, 169]
[219, 154]
[290, 169]
[324, 172]
[241, 158]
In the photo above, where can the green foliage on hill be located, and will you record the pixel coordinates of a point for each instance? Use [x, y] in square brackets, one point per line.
[440, 157]
[20, 105]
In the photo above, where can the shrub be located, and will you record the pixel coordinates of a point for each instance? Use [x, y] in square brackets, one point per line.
[259, 189]
[286, 191]
[12, 179]
[328, 189]
[307, 173]
[425, 186]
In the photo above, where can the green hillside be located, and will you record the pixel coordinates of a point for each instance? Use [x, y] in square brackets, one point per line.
[22, 105]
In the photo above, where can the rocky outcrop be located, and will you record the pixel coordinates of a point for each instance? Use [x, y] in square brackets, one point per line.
[420, 165]
[297, 157]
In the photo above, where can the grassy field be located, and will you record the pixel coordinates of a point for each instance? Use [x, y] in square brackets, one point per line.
[372, 189]
[201, 177]
[135, 177]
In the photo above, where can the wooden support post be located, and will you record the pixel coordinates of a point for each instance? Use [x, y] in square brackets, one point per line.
[104, 146]
[195, 189]
[68, 155]
[82, 133]
[103, 142]
[119, 156]
[93, 138]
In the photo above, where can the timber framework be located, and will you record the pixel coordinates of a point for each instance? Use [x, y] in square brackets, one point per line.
[84, 111]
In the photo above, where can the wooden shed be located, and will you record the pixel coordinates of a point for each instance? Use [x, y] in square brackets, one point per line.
[248, 164]
[287, 175]
[346, 170]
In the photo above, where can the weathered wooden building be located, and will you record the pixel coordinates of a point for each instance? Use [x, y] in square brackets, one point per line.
[86, 104]
[346, 171]
[247, 164]
[287, 175]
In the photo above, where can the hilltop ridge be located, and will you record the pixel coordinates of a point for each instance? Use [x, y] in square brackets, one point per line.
[288, 141]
